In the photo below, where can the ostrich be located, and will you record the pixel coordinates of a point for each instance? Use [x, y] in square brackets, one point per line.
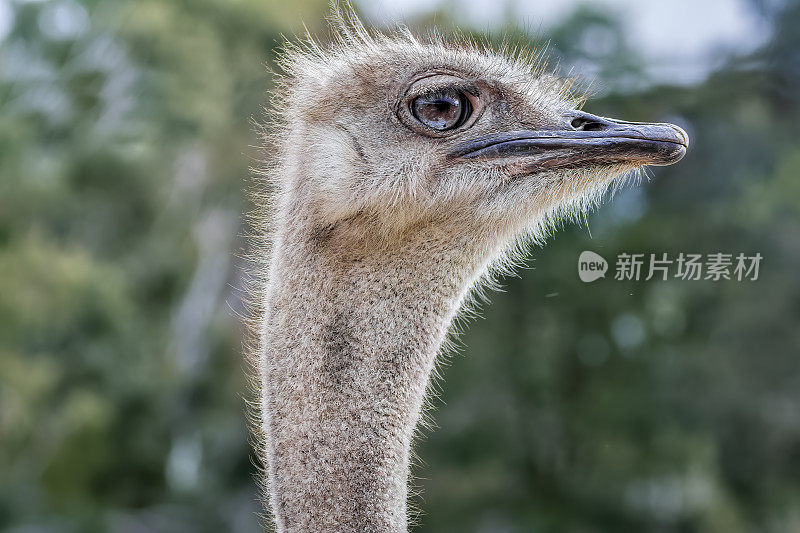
[402, 172]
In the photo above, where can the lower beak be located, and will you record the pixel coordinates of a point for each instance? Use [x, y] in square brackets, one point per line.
[587, 140]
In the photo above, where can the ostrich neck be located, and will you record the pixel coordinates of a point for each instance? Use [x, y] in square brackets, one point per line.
[351, 332]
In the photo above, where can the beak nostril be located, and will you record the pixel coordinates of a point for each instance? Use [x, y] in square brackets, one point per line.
[585, 124]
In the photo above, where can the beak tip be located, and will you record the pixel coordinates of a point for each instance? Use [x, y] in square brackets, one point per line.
[683, 137]
[674, 141]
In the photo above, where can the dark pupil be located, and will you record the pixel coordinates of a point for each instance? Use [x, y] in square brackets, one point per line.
[440, 110]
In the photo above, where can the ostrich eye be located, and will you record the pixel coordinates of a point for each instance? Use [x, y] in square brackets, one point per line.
[441, 110]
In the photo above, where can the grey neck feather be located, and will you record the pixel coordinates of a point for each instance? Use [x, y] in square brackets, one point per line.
[351, 331]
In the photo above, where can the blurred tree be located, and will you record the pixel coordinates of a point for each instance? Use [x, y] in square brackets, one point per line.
[659, 406]
[124, 138]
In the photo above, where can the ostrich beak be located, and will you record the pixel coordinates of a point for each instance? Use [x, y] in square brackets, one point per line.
[586, 139]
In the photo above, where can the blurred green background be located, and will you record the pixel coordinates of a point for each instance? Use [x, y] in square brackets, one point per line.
[125, 143]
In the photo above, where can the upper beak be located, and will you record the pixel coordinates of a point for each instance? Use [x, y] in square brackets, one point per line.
[586, 139]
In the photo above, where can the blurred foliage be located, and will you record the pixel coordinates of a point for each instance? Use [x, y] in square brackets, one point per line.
[125, 141]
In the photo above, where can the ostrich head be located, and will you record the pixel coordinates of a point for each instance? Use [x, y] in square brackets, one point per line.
[402, 132]
[402, 170]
